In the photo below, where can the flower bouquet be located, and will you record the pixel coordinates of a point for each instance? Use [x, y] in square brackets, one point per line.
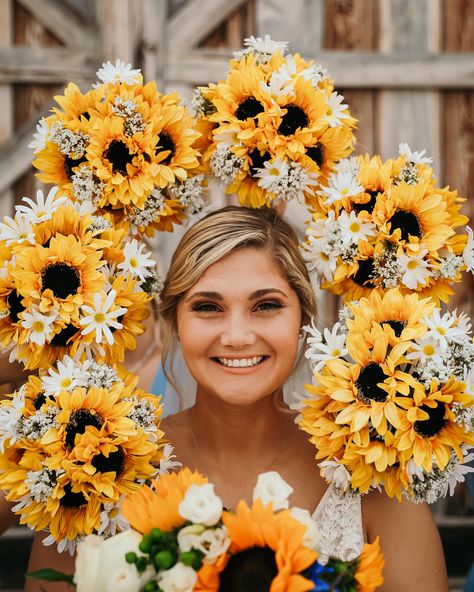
[392, 402]
[381, 225]
[73, 442]
[70, 284]
[275, 127]
[122, 147]
[184, 540]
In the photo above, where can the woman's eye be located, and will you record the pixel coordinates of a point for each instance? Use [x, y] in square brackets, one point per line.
[269, 305]
[205, 307]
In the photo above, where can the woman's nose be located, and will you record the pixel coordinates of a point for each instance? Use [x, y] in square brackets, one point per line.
[237, 332]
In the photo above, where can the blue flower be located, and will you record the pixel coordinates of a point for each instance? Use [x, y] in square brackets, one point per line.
[318, 573]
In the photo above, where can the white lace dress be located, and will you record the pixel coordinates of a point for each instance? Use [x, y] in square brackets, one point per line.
[339, 520]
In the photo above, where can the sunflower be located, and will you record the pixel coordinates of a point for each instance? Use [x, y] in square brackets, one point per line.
[266, 553]
[61, 276]
[429, 431]
[400, 316]
[123, 163]
[57, 168]
[369, 567]
[157, 506]
[415, 216]
[76, 108]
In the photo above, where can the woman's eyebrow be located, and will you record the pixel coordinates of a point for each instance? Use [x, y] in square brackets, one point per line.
[265, 292]
[211, 295]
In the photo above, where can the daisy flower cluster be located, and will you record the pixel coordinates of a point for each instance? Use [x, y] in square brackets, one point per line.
[70, 284]
[381, 225]
[274, 128]
[123, 147]
[183, 539]
[392, 400]
[73, 442]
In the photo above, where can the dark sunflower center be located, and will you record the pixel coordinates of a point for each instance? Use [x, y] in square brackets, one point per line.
[316, 153]
[397, 326]
[257, 161]
[119, 156]
[71, 163]
[62, 279]
[407, 222]
[368, 206]
[368, 381]
[14, 305]
[434, 424]
[40, 399]
[165, 143]
[72, 499]
[62, 338]
[251, 570]
[86, 115]
[79, 420]
[114, 462]
[293, 119]
[365, 273]
[249, 107]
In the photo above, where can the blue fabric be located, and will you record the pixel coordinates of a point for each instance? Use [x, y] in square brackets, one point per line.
[169, 397]
[159, 382]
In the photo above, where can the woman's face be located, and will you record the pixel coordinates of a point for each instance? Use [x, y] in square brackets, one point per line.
[238, 327]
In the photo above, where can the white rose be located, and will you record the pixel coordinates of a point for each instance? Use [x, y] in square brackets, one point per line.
[272, 489]
[180, 578]
[312, 535]
[336, 473]
[201, 505]
[87, 563]
[211, 541]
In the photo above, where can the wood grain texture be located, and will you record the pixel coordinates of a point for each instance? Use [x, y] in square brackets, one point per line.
[6, 99]
[235, 27]
[457, 126]
[351, 24]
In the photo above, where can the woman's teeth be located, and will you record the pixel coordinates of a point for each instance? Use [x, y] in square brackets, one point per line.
[240, 363]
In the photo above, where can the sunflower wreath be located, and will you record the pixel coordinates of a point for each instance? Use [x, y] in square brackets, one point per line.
[274, 128]
[381, 225]
[182, 538]
[70, 284]
[122, 147]
[392, 402]
[73, 442]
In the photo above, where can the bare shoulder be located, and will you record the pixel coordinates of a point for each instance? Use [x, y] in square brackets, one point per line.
[414, 559]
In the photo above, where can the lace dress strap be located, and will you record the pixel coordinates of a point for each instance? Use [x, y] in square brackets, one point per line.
[339, 520]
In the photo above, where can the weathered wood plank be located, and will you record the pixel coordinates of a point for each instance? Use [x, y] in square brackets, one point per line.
[363, 106]
[64, 23]
[350, 69]
[351, 24]
[152, 40]
[299, 22]
[6, 98]
[119, 30]
[196, 20]
[45, 64]
[457, 121]
[230, 33]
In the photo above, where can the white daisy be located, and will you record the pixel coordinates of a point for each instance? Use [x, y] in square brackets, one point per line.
[120, 73]
[277, 86]
[100, 318]
[353, 229]
[40, 325]
[424, 349]
[17, 230]
[270, 176]
[112, 520]
[348, 165]
[415, 270]
[332, 345]
[289, 70]
[42, 209]
[65, 378]
[136, 261]
[335, 472]
[459, 470]
[336, 110]
[167, 463]
[321, 257]
[468, 380]
[443, 327]
[341, 185]
[40, 137]
[265, 45]
[10, 414]
[468, 253]
[414, 157]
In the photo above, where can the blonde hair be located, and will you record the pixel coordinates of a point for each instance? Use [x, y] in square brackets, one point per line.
[214, 237]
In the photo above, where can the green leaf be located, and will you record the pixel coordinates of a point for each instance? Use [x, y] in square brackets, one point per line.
[50, 575]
